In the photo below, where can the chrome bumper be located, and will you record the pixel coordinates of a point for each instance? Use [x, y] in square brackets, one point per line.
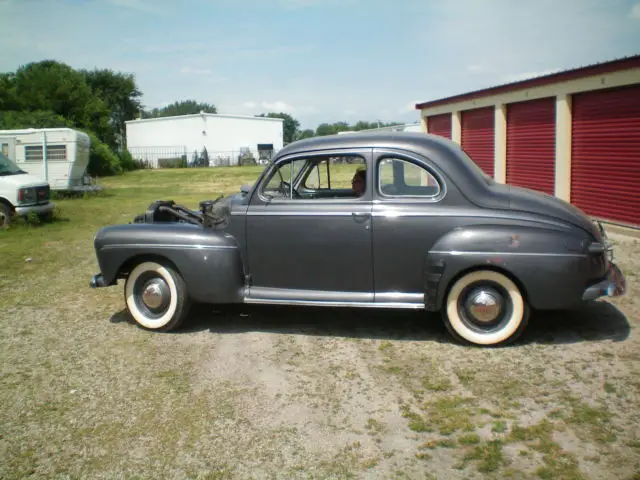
[614, 285]
[97, 281]
[45, 208]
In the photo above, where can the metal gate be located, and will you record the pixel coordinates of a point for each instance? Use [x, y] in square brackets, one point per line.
[478, 134]
[605, 154]
[531, 147]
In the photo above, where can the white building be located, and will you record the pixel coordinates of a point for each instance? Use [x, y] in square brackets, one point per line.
[407, 127]
[225, 137]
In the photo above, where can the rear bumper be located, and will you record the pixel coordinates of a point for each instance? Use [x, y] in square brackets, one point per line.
[26, 210]
[614, 285]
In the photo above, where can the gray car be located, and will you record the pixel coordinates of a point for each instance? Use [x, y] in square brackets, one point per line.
[381, 220]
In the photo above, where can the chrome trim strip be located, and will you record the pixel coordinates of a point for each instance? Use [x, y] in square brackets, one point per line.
[530, 254]
[312, 303]
[302, 213]
[165, 245]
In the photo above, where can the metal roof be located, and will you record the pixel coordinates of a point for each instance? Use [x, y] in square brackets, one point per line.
[623, 63]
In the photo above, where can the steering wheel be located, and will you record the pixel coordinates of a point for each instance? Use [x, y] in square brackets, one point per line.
[285, 188]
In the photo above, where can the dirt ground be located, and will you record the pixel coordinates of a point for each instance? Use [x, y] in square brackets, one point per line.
[267, 392]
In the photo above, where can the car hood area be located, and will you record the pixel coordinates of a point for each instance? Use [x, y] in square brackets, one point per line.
[22, 180]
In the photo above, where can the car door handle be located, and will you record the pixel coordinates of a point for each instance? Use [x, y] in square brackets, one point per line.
[360, 215]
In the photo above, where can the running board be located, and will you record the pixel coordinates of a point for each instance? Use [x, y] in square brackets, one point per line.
[329, 303]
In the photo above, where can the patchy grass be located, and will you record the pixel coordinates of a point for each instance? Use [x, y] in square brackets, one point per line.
[296, 393]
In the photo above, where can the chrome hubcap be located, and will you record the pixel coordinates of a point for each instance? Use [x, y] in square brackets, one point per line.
[484, 305]
[155, 294]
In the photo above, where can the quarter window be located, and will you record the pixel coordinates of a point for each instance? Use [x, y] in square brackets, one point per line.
[400, 178]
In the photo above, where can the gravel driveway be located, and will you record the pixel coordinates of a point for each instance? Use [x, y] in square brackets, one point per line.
[266, 392]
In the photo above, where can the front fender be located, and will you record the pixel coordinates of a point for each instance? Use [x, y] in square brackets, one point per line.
[551, 264]
[209, 261]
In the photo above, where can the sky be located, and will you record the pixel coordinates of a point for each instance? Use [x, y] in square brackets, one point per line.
[319, 60]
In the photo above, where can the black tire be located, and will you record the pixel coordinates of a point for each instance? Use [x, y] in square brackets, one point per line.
[5, 215]
[150, 283]
[498, 316]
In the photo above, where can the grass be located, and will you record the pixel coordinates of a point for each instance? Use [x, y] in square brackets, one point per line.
[85, 394]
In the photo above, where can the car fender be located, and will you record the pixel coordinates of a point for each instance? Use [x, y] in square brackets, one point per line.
[209, 260]
[548, 263]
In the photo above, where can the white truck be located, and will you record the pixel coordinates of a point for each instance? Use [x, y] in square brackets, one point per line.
[59, 156]
[21, 193]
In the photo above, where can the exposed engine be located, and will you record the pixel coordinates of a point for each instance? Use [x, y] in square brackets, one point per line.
[213, 213]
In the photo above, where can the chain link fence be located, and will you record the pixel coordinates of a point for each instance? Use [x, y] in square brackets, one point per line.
[181, 157]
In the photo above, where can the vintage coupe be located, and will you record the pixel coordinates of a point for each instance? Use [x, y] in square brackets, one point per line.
[427, 230]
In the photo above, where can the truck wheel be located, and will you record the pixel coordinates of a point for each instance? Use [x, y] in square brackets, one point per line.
[156, 296]
[5, 215]
[486, 308]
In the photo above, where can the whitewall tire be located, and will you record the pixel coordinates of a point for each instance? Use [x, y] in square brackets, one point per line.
[156, 296]
[485, 307]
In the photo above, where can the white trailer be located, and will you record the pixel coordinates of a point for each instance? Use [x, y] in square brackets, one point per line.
[59, 156]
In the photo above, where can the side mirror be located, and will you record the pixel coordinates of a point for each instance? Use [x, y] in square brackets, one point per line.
[245, 189]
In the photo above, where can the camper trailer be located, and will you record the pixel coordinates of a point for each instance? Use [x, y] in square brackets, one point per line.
[59, 156]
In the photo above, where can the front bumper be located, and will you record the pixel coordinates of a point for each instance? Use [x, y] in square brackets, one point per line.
[27, 209]
[614, 285]
[97, 281]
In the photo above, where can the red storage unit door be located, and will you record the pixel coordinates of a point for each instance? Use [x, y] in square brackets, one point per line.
[478, 137]
[605, 154]
[531, 144]
[440, 125]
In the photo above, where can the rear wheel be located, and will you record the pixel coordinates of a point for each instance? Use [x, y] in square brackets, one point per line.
[156, 296]
[485, 307]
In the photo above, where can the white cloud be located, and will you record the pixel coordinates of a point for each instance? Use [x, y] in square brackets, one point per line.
[249, 105]
[278, 106]
[139, 5]
[478, 69]
[516, 77]
[635, 12]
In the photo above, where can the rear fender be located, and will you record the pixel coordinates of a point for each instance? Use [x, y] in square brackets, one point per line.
[551, 265]
[209, 261]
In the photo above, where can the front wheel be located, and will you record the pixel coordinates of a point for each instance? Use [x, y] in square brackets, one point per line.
[156, 296]
[485, 307]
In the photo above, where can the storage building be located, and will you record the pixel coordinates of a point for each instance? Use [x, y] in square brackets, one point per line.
[226, 138]
[574, 134]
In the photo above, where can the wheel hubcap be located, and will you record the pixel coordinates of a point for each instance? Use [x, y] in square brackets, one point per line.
[155, 294]
[484, 305]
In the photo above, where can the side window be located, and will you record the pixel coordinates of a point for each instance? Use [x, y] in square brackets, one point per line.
[400, 178]
[318, 178]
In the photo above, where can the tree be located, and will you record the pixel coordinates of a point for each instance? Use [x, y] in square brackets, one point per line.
[289, 128]
[184, 107]
[50, 86]
[307, 133]
[120, 95]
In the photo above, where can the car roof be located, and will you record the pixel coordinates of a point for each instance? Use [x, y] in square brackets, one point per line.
[414, 140]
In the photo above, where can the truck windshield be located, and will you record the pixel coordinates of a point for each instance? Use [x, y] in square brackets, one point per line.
[7, 167]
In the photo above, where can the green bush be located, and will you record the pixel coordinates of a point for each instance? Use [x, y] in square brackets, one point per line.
[177, 162]
[102, 160]
[126, 161]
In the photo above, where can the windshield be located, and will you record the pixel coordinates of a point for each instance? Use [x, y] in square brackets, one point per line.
[7, 167]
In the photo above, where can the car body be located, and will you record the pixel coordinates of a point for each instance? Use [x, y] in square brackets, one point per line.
[431, 231]
[21, 193]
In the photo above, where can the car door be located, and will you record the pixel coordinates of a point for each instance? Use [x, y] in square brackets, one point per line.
[407, 219]
[314, 245]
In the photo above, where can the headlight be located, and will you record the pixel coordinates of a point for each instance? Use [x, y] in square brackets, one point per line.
[27, 195]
